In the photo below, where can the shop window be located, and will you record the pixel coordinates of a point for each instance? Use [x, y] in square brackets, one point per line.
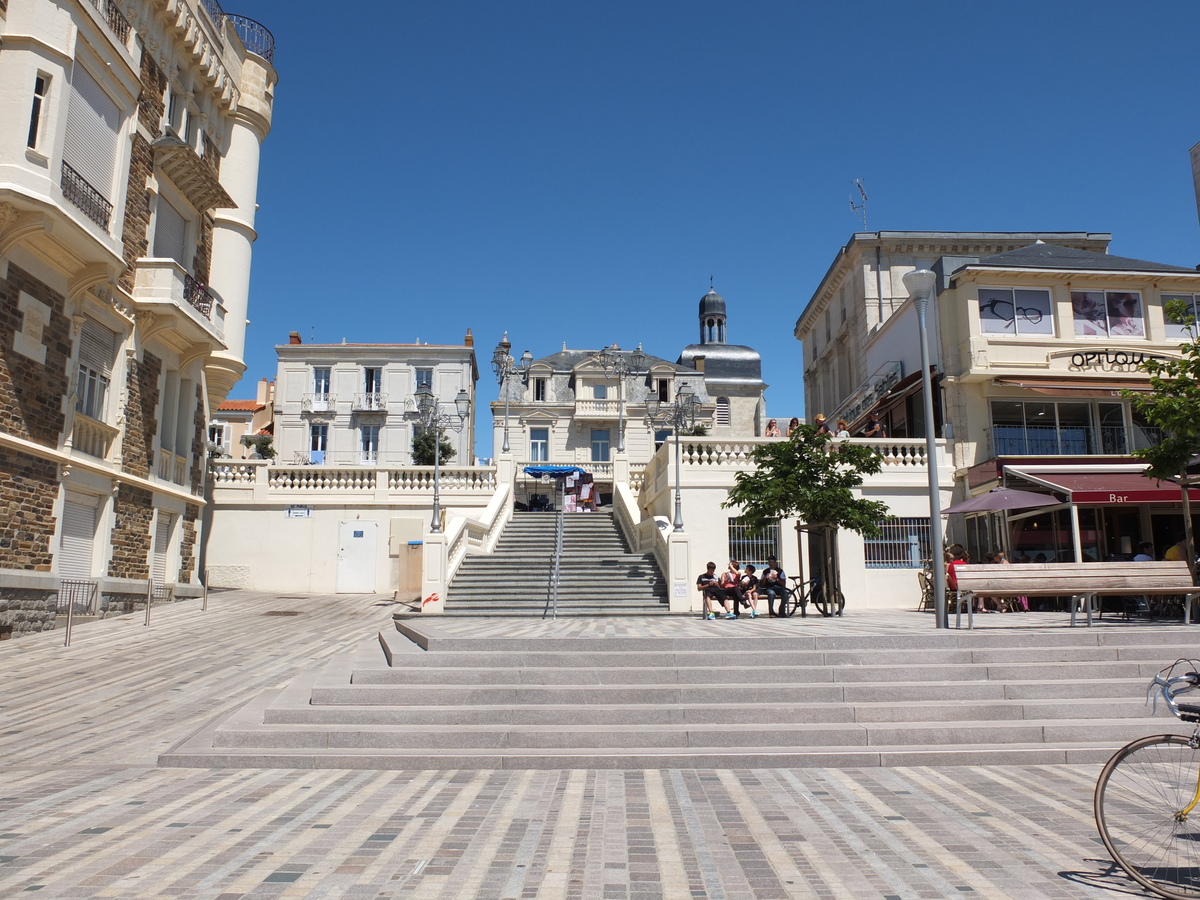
[1107, 314]
[1042, 429]
[752, 545]
[902, 544]
[1182, 329]
[1009, 311]
[539, 445]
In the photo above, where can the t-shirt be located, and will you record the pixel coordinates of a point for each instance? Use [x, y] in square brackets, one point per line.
[1177, 553]
[749, 582]
[951, 577]
[706, 580]
[768, 582]
[1143, 557]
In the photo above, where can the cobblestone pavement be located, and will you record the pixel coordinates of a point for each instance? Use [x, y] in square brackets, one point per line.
[84, 812]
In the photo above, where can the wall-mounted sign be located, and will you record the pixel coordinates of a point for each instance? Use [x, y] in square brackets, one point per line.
[1104, 359]
[299, 512]
[885, 378]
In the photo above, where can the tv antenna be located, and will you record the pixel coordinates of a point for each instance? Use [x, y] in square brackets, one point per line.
[859, 209]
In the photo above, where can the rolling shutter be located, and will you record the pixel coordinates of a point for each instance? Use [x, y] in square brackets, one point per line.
[97, 347]
[78, 536]
[162, 541]
[93, 123]
[170, 231]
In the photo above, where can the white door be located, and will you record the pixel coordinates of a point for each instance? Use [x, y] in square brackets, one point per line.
[356, 557]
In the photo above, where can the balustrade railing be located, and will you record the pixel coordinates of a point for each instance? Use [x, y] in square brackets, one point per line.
[197, 296]
[254, 36]
[115, 18]
[92, 437]
[370, 402]
[317, 403]
[588, 408]
[86, 198]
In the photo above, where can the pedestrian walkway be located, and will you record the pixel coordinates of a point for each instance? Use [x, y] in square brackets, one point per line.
[85, 812]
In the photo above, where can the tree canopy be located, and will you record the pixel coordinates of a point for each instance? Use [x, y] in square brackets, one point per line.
[811, 477]
[422, 447]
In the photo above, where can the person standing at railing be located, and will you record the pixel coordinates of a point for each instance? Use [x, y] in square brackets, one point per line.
[792, 426]
[875, 428]
[773, 429]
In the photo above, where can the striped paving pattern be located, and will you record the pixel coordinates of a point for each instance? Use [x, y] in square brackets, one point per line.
[85, 814]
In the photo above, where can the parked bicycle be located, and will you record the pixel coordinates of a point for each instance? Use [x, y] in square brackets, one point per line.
[1147, 796]
[828, 602]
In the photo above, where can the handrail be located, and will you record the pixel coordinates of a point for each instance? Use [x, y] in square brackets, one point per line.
[465, 534]
[555, 570]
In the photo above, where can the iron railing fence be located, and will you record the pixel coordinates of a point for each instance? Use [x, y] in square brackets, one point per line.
[90, 201]
[903, 544]
[748, 545]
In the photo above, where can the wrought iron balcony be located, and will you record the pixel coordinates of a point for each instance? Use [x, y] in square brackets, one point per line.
[318, 403]
[90, 201]
[114, 17]
[198, 296]
[254, 36]
[163, 286]
[370, 402]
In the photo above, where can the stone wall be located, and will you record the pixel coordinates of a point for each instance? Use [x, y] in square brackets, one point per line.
[28, 489]
[26, 611]
[131, 535]
[141, 168]
[187, 544]
[141, 423]
[199, 443]
[32, 392]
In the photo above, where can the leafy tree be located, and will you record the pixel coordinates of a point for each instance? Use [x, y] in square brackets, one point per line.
[422, 447]
[1173, 405]
[811, 477]
[261, 444]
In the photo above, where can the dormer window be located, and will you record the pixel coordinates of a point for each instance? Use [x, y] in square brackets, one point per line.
[539, 389]
[599, 391]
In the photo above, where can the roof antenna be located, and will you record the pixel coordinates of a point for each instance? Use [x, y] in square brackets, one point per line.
[312, 335]
[710, 284]
[859, 209]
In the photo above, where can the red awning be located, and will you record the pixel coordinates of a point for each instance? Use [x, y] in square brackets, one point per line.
[1109, 487]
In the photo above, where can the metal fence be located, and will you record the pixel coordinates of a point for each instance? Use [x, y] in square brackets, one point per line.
[748, 545]
[903, 544]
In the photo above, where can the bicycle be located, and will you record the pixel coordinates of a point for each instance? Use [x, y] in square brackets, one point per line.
[815, 591]
[1147, 793]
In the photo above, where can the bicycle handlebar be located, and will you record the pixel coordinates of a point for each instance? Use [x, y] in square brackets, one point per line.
[1169, 689]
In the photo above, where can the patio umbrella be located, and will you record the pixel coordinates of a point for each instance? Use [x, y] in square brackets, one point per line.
[1002, 498]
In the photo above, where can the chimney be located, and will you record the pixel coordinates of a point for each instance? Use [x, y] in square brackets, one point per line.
[294, 338]
[469, 340]
[698, 363]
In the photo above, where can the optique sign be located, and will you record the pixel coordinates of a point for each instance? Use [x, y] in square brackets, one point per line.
[1108, 360]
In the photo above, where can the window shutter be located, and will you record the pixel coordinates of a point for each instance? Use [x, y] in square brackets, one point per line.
[162, 540]
[78, 536]
[170, 232]
[97, 347]
[722, 411]
[93, 124]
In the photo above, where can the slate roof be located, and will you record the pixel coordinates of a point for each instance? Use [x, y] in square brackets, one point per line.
[1052, 256]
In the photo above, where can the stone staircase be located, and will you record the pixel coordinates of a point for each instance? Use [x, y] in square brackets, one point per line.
[688, 693]
[598, 574]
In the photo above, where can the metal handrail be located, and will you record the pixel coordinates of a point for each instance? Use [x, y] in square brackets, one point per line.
[555, 569]
[76, 593]
[80, 193]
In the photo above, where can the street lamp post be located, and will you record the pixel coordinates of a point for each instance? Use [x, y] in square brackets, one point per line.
[617, 366]
[504, 366]
[680, 414]
[432, 417]
[920, 285]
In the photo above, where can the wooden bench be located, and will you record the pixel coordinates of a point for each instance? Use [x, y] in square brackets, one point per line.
[1080, 581]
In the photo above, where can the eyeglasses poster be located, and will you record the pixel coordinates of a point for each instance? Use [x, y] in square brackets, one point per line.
[1005, 311]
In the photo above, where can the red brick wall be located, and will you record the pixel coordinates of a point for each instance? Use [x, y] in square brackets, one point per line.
[131, 534]
[31, 393]
[141, 423]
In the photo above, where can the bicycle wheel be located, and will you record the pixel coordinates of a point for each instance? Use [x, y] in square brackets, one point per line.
[1139, 801]
[791, 601]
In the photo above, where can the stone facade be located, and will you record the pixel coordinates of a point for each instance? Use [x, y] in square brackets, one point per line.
[26, 612]
[187, 546]
[199, 436]
[131, 534]
[28, 488]
[32, 392]
[138, 199]
[141, 423]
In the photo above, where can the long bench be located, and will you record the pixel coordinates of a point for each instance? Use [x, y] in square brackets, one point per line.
[1080, 581]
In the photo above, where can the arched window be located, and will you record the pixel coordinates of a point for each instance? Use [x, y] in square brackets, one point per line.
[722, 411]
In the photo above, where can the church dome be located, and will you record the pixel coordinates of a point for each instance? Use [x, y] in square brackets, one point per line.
[712, 304]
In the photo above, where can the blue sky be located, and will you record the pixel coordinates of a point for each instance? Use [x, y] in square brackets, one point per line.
[576, 172]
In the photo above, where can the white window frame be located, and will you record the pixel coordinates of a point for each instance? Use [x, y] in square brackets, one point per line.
[1176, 331]
[1015, 326]
[423, 377]
[601, 447]
[38, 109]
[1112, 327]
[539, 448]
[368, 443]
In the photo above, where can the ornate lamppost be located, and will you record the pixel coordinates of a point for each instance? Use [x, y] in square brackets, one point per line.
[618, 366]
[431, 416]
[505, 367]
[921, 284]
[680, 414]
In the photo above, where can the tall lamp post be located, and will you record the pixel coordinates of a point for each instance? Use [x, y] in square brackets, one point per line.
[429, 410]
[617, 366]
[920, 285]
[680, 414]
[505, 367]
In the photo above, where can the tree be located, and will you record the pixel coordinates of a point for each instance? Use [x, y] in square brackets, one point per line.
[261, 444]
[812, 478]
[422, 447]
[1173, 406]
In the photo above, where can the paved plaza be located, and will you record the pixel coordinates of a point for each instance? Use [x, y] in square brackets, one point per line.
[85, 812]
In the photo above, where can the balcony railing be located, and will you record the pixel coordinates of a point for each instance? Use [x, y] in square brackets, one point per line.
[198, 296]
[171, 467]
[370, 402]
[90, 201]
[597, 409]
[318, 403]
[254, 36]
[114, 17]
[92, 437]
[1045, 440]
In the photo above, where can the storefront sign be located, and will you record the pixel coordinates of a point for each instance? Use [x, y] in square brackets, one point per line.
[1108, 360]
[885, 378]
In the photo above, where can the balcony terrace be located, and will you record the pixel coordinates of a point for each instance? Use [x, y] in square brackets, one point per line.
[163, 287]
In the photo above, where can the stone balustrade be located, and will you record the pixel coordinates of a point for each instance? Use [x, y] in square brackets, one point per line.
[92, 437]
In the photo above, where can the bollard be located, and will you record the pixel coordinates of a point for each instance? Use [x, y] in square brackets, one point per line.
[149, 599]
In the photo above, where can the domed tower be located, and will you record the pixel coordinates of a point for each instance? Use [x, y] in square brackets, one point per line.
[732, 373]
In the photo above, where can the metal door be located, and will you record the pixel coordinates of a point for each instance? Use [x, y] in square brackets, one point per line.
[357, 542]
